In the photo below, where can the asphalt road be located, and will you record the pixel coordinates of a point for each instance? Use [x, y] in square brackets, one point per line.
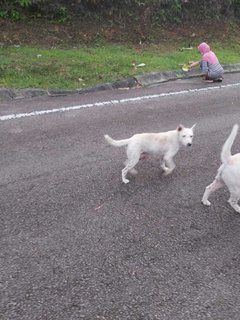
[76, 243]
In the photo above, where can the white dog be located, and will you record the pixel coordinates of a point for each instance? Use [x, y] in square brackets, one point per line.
[165, 144]
[228, 173]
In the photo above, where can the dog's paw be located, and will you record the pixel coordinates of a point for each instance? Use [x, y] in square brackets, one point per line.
[133, 172]
[125, 181]
[167, 172]
[206, 202]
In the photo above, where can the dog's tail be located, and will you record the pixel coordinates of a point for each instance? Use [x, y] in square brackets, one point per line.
[226, 149]
[116, 143]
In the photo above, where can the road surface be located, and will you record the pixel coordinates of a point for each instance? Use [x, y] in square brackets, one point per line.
[77, 243]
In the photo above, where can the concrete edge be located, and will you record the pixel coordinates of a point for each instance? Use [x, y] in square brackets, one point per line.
[159, 77]
[144, 80]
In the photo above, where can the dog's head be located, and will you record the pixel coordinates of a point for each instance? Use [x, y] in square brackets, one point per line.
[185, 135]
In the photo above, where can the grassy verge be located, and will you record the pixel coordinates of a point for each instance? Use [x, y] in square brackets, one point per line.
[26, 67]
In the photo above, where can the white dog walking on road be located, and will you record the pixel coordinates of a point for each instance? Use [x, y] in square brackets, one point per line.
[164, 144]
[228, 173]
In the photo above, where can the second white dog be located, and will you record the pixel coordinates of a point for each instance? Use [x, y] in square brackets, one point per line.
[165, 144]
[228, 173]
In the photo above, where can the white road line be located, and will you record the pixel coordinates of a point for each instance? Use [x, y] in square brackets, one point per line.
[112, 102]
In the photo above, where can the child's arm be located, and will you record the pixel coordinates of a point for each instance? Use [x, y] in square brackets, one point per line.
[194, 64]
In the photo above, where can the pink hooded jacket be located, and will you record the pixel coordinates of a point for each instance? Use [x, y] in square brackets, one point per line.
[207, 55]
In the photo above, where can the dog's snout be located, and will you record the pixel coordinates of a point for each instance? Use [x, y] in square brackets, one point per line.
[189, 144]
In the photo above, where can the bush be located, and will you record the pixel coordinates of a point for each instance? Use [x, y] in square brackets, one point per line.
[156, 11]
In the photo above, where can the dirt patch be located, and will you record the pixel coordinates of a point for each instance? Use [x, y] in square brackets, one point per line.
[44, 33]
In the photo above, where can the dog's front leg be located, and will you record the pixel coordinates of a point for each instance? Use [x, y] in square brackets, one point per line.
[163, 166]
[170, 165]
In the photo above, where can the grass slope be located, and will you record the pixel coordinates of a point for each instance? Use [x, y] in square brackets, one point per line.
[26, 63]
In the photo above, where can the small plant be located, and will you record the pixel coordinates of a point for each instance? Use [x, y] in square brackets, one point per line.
[12, 14]
[11, 9]
[3, 14]
[64, 15]
[24, 3]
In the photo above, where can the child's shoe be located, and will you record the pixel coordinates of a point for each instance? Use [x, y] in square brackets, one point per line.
[218, 80]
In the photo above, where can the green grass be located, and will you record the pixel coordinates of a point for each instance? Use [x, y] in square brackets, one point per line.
[25, 67]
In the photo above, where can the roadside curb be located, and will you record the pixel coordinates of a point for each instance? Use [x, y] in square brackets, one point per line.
[159, 77]
[145, 80]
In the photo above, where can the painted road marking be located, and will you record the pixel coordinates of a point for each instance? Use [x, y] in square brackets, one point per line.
[113, 102]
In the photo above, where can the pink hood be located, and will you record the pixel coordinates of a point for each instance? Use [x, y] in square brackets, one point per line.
[207, 54]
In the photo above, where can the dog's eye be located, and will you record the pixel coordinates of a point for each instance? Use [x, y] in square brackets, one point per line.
[184, 136]
[191, 136]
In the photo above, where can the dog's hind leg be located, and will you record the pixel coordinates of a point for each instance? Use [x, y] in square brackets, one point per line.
[129, 167]
[233, 201]
[215, 185]
[133, 158]
[133, 171]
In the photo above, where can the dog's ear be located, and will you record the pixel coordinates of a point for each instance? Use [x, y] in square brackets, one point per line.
[194, 126]
[180, 127]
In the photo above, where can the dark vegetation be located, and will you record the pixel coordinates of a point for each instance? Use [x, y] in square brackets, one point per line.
[154, 12]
